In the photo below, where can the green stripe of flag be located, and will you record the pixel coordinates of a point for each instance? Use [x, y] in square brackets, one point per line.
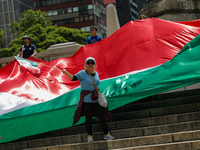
[26, 62]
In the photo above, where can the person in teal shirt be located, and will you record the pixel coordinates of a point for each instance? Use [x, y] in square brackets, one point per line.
[89, 99]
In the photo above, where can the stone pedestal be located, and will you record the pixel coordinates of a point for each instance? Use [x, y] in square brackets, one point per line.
[112, 20]
[173, 10]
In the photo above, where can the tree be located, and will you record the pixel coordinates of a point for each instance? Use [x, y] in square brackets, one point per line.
[2, 43]
[28, 19]
[45, 37]
[42, 33]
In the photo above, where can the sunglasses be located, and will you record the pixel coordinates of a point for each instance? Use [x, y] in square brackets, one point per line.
[90, 62]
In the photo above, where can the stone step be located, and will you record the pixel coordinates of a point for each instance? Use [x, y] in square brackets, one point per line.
[177, 94]
[128, 142]
[137, 123]
[157, 103]
[186, 145]
[160, 116]
[154, 121]
[98, 136]
[184, 108]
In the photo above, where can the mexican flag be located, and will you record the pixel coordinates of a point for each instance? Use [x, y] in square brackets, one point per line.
[142, 58]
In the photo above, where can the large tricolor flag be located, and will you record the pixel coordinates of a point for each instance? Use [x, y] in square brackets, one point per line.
[142, 58]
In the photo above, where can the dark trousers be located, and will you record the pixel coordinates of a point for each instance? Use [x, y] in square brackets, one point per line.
[87, 109]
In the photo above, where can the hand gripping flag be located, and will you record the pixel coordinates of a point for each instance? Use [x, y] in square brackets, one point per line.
[29, 65]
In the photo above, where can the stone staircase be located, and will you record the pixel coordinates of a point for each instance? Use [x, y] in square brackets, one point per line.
[160, 122]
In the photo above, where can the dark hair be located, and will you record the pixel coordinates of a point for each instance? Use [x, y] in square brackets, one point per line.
[144, 17]
[94, 28]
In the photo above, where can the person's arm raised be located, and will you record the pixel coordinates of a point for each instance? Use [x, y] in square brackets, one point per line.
[68, 74]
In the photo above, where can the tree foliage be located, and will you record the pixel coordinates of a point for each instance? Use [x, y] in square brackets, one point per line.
[27, 19]
[42, 33]
[1, 38]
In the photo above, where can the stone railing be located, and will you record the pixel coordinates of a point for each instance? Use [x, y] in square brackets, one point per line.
[172, 10]
[53, 52]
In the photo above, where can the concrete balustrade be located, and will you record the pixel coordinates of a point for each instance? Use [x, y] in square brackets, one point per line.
[53, 52]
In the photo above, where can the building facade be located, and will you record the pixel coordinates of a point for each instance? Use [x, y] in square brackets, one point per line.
[11, 10]
[107, 2]
[79, 14]
[128, 10]
[176, 10]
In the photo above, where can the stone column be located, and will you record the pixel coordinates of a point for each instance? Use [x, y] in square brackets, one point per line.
[111, 19]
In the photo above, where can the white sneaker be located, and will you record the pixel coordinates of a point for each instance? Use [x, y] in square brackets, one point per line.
[108, 137]
[90, 138]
